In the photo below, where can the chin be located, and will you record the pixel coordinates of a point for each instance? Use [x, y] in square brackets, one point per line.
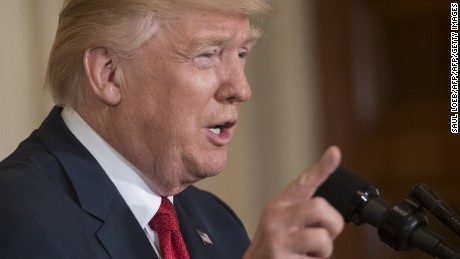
[217, 165]
[210, 168]
[209, 172]
[206, 165]
[191, 178]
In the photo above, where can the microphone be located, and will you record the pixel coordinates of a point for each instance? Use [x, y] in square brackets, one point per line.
[402, 226]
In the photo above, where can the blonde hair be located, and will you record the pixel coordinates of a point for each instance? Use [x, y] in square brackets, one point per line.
[118, 25]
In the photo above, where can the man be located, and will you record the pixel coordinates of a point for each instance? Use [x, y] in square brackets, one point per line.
[147, 95]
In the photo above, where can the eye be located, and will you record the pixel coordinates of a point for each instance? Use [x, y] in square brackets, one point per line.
[207, 55]
[243, 54]
[207, 59]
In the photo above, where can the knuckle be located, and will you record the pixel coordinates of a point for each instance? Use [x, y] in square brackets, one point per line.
[320, 201]
[323, 238]
[320, 244]
[339, 226]
[320, 205]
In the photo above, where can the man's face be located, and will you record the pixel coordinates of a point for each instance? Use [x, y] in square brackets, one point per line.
[181, 98]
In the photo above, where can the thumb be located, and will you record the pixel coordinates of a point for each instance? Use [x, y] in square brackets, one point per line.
[308, 182]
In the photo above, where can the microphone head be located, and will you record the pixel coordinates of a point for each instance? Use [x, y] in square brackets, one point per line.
[343, 190]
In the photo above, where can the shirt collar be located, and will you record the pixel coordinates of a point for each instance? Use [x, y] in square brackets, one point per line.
[142, 201]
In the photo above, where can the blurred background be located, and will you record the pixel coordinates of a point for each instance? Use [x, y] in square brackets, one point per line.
[372, 77]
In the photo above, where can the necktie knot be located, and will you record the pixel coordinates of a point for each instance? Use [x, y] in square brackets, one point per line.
[166, 225]
[165, 219]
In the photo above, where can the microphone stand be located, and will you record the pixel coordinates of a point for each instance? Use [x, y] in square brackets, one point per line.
[436, 206]
[404, 226]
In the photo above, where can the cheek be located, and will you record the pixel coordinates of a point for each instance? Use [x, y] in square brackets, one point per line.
[191, 101]
[174, 103]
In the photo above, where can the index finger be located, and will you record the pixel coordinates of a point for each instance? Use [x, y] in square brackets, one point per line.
[308, 182]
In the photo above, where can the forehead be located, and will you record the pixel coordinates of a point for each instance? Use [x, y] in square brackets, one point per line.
[206, 25]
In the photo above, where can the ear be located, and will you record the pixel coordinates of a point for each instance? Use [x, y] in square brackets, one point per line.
[100, 68]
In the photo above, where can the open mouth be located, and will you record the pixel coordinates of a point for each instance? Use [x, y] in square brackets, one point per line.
[216, 130]
[221, 128]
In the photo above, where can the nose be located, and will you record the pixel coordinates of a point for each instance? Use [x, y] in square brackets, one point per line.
[234, 85]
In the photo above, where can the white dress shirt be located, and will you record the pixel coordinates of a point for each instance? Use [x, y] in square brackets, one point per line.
[142, 201]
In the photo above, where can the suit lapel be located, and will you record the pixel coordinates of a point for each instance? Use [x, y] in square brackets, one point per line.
[197, 246]
[119, 233]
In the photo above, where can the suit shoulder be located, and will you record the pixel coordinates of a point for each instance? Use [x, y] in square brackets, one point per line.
[31, 171]
[29, 156]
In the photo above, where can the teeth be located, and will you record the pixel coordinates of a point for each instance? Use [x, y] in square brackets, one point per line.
[215, 130]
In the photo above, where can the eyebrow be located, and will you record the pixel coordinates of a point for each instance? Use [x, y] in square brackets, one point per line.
[254, 35]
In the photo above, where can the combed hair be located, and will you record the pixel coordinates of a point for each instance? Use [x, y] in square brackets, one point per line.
[120, 26]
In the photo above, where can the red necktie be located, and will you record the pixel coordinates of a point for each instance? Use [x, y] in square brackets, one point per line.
[166, 225]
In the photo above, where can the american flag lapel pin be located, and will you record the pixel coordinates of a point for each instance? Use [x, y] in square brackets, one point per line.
[204, 237]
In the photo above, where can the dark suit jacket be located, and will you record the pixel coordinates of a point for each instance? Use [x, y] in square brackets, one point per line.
[57, 202]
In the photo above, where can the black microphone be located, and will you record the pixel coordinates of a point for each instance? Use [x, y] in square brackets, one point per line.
[402, 226]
